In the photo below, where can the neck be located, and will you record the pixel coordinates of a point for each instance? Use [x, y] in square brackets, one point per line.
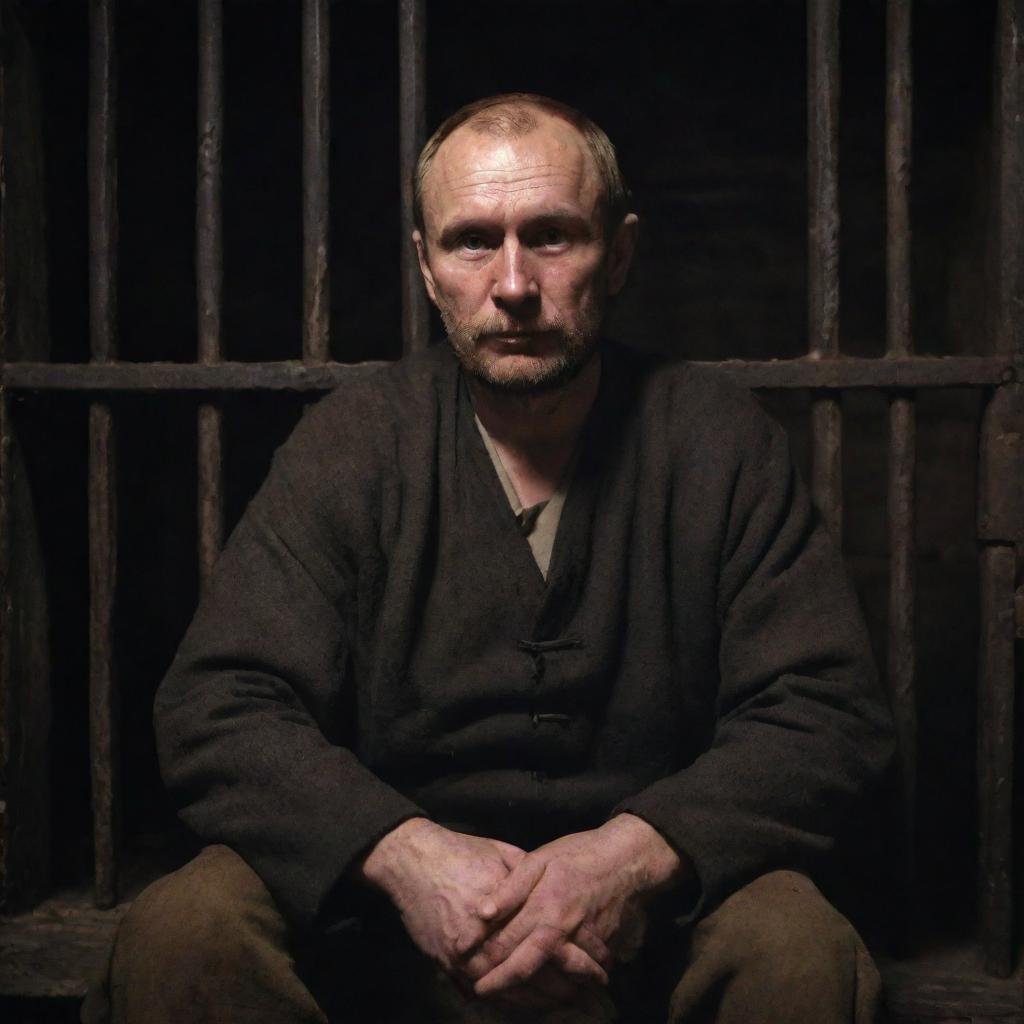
[539, 425]
[535, 434]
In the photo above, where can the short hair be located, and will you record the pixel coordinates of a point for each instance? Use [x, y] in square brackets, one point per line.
[508, 115]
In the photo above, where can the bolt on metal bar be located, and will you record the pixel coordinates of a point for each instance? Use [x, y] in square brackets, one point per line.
[102, 186]
[412, 62]
[901, 662]
[823, 249]
[1001, 512]
[210, 276]
[316, 140]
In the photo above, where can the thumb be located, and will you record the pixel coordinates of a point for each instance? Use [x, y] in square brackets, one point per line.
[510, 855]
[510, 894]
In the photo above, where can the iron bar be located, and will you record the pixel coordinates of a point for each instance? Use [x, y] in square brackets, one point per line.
[6, 441]
[901, 661]
[102, 182]
[103, 697]
[827, 462]
[1001, 513]
[102, 174]
[847, 373]
[823, 175]
[209, 176]
[823, 250]
[995, 755]
[900, 655]
[316, 138]
[412, 62]
[210, 277]
[210, 488]
[898, 127]
[1009, 263]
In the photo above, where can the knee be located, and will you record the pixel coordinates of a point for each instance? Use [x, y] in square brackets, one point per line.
[781, 926]
[200, 911]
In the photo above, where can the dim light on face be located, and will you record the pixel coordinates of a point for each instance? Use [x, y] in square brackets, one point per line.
[516, 259]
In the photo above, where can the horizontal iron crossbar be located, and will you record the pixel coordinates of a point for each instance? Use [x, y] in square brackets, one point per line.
[807, 372]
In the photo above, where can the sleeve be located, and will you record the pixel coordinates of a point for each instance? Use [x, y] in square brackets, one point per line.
[258, 686]
[803, 734]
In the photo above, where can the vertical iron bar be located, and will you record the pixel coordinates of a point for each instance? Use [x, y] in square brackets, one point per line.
[6, 441]
[210, 276]
[102, 174]
[823, 248]
[898, 121]
[1000, 529]
[316, 135]
[209, 173]
[995, 755]
[412, 62]
[902, 437]
[1009, 333]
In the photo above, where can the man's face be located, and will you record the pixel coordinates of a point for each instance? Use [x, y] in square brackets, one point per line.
[515, 257]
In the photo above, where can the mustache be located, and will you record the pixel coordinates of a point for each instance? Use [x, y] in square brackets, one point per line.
[495, 327]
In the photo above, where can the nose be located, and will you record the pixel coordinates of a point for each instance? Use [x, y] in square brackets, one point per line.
[515, 284]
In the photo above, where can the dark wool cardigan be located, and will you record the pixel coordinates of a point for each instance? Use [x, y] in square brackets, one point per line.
[377, 641]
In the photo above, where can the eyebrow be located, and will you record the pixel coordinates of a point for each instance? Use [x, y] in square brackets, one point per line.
[562, 215]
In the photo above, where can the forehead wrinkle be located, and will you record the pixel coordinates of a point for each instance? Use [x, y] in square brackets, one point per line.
[511, 168]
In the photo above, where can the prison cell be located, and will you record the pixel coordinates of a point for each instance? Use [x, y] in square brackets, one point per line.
[825, 374]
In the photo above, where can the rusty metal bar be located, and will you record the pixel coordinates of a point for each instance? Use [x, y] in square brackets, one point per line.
[210, 277]
[209, 175]
[316, 139]
[1001, 534]
[995, 756]
[1001, 512]
[6, 442]
[1009, 263]
[910, 372]
[898, 128]
[102, 174]
[412, 62]
[210, 498]
[823, 249]
[901, 663]
[103, 697]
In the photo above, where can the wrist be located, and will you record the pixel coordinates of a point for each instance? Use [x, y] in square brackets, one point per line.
[386, 866]
[657, 866]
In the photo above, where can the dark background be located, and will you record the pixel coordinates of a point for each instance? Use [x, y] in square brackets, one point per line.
[706, 104]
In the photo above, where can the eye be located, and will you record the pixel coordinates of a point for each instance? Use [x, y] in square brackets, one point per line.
[473, 241]
[551, 236]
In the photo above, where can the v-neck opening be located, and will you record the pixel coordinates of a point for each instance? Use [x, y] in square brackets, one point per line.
[569, 553]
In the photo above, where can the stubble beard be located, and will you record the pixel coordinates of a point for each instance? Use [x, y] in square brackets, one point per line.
[575, 345]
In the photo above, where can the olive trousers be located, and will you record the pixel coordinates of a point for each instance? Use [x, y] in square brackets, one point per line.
[207, 944]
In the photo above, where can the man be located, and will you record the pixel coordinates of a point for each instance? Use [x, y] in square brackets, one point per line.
[532, 640]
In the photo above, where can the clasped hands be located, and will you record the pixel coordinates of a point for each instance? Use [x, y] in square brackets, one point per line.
[539, 929]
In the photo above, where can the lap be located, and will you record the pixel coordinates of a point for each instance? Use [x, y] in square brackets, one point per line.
[217, 908]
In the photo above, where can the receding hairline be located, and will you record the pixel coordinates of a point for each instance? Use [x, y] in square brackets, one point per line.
[515, 115]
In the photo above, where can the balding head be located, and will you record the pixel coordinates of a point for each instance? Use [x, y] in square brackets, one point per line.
[514, 115]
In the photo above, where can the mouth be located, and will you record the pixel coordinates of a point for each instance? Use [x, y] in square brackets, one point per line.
[513, 337]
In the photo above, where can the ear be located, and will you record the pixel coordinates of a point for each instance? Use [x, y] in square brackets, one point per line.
[620, 253]
[421, 254]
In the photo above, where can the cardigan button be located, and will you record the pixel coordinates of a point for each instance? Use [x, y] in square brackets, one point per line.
[563, 720]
